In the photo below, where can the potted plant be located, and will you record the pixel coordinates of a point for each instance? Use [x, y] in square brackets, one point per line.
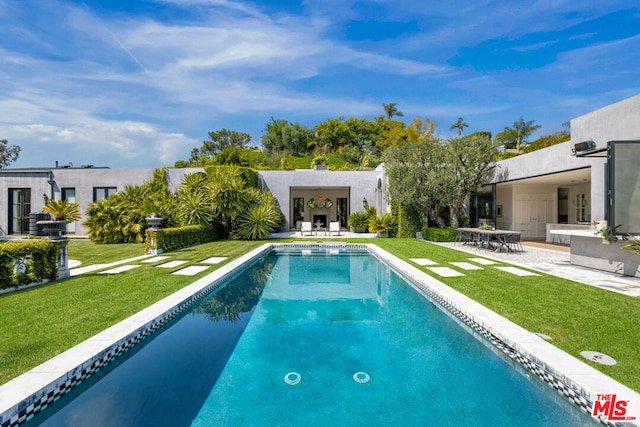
[608, 234]
[358, 222]
[381, 224]
[62, 212]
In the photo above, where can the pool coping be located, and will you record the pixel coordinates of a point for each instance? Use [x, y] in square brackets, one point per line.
[33, 391]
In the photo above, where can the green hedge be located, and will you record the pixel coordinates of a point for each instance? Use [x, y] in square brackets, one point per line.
[39, 258]
[435, 234]
[169, 239]
[408, 218]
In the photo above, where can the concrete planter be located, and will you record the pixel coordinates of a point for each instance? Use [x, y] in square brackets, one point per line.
[54, 228]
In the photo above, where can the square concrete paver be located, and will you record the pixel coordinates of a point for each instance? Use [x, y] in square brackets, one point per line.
[191, 270]
[214, 260]
[466, 266]
[119, 269]
[482, 261]
[156, 259]
[517, 271]
[171, 264]
[445, 271]
[423, 261]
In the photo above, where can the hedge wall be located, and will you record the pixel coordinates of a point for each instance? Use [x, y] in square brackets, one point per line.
[435, 234]
[27, 262]
[169, 239]
[408, 218]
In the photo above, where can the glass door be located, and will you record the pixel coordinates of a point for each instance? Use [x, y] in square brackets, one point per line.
[20, 202]
[342, 211]
[298, 211]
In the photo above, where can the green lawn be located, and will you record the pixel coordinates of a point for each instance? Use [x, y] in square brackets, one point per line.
[41, 322]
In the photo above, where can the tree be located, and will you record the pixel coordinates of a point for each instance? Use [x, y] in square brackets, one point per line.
[390, 110]
[410, 172]
[8, 153]
[219, 140]
[548, 140]
[459, 125]
[419, 130]
[516, 136]
[272, 139]
[470, 163]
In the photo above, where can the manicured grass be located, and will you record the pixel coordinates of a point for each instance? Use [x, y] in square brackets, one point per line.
[92, 253]
[38, 323]
[578, 317]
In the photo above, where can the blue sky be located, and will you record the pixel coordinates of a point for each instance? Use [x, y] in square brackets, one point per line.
[139, 83]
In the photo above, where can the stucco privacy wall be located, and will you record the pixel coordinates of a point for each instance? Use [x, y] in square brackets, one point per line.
[555, 159]
[619, 121]
[362, 184]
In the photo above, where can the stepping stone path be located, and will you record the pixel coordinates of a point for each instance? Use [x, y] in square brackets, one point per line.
[191, 270]
[423, 261]
[171, 264]
[482, 261]
[466, 266]
[119, 269]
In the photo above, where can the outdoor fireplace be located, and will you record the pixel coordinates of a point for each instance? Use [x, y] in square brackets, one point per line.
[320, 218]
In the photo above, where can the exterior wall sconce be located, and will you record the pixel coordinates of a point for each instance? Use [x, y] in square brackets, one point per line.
[365, 204]
[584, 146]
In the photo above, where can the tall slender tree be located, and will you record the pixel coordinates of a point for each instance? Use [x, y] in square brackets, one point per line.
[459, 125]
[391, 110]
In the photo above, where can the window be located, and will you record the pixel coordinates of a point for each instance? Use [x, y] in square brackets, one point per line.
[101, 193]
[70, 195]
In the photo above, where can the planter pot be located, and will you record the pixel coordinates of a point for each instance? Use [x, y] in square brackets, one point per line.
[357, 230]
[383, 234]
[154, 222]
[54, 228]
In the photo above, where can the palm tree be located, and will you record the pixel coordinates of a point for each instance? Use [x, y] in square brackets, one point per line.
[391, 110]
[523, 130]
[459, 125]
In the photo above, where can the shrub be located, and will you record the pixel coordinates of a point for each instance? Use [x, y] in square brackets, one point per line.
[359, 220]
[320, 160]
[382, 223]
[169, 239]
[434, 234]
[257, 222]
[39, 258]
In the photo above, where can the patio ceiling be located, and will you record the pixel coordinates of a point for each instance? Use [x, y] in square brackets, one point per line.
[576, 176]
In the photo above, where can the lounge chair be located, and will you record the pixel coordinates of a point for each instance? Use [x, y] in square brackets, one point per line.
[334, 227]
[306, 227]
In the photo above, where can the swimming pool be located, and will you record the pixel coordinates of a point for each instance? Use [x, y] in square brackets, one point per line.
[336, 335]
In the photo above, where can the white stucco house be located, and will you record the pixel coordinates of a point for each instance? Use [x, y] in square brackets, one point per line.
[23, 192]
[540, 194]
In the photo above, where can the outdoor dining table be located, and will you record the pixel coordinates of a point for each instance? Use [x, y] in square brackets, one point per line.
[496, 240]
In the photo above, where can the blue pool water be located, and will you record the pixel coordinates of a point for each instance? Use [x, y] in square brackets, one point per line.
[335, 339]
